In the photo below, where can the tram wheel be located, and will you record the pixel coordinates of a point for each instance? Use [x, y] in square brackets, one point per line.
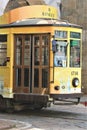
[37, 107]
[2, 103]
[9, 110]
[9, 106]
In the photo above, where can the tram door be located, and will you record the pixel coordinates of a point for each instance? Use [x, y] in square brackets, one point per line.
[31, 63]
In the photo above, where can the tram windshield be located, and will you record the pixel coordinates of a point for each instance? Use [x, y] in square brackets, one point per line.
[60, 59]
[74, 53]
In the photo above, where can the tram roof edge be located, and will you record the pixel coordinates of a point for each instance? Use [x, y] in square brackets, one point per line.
[40, 22]
[26, 12]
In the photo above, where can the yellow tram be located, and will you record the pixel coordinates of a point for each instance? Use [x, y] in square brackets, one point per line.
[40, 58]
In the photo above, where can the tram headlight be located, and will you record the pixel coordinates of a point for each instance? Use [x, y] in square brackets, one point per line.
[75, 82]
[56, 87]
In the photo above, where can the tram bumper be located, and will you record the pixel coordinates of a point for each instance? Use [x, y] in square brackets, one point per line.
[66, 99]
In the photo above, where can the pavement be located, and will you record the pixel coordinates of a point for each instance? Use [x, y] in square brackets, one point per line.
[84, 100]
[18, 125]
[15, 125]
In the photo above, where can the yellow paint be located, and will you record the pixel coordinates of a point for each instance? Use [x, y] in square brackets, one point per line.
[26, 12]
[5, 19]
[6, 72]
[29, 30]
[63, 77]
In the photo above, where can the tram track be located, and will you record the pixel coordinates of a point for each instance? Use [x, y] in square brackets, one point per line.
[72, 119]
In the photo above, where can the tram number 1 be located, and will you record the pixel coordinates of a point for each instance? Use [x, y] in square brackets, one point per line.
[74, 73]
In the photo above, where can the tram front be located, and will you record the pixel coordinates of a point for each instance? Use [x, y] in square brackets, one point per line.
[65, 79]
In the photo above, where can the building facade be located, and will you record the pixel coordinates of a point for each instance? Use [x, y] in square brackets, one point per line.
[75, 11]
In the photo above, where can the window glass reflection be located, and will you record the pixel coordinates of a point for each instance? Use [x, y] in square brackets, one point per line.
[60, 56]
[36, 40]
[45, 56]
[36, 78]
[74, 53]
[60, 34]
[3, 50]
[26, 77]
[18, 77]
[36, 56]
[45, 78]
[45, 40]
[19, 51]
[27, 50]
[75, 35]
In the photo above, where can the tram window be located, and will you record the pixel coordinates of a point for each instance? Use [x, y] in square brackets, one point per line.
[45, 78]
[18, 77]
[37, 41]
[60, 34]
[3, 50]
[75, 35]
[60, 56]
[45, 40]
[26, 77]
[27, 50]
[36, 56]
[45, 56]
[36, 78]
[74, 53]
[19, 50]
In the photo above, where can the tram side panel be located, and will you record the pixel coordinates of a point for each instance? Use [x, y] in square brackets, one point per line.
[5, 65]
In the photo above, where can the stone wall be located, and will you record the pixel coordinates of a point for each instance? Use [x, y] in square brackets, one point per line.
[75, 11]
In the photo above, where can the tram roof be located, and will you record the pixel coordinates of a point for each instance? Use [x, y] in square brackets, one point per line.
[40, 22]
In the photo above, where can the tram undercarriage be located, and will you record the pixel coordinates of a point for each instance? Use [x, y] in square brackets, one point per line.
[35, 101]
